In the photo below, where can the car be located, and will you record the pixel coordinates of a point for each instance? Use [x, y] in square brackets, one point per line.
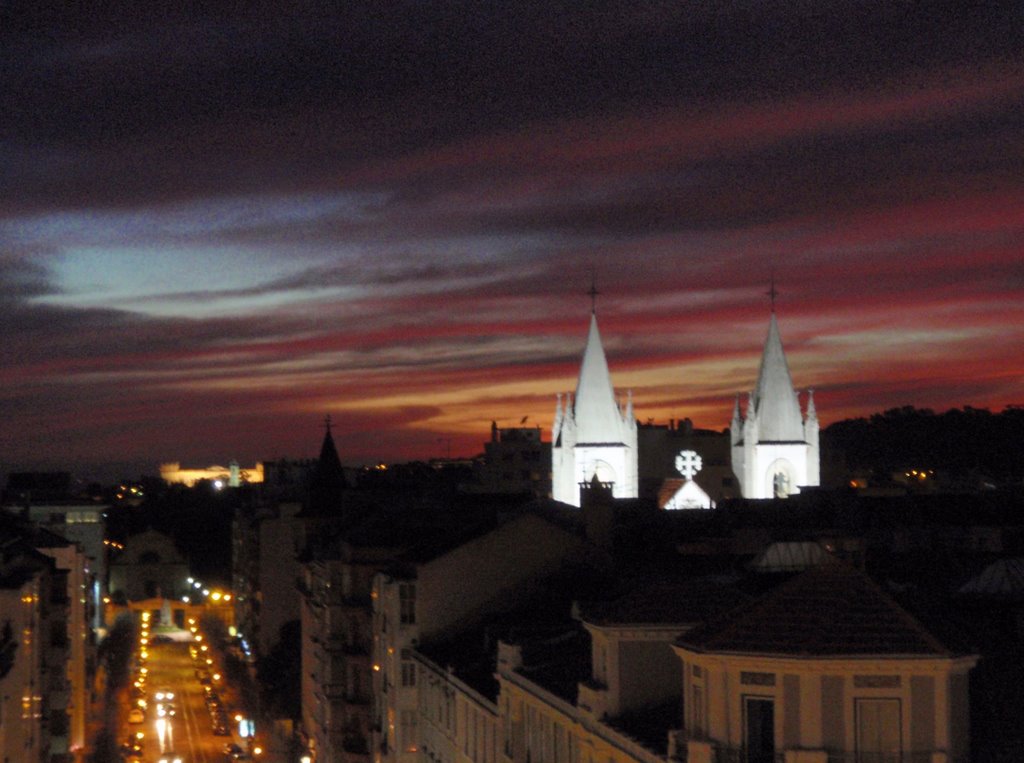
[170, 757]
[234, 751]
[136, 715]
[131, 749]
[163, 693]
[162, 639]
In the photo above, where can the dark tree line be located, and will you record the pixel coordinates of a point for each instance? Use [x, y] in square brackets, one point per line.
[968, 443]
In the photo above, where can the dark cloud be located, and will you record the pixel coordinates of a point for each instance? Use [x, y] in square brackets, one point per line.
[415, 197]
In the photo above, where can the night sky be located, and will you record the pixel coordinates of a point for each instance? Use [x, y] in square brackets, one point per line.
[219, 225]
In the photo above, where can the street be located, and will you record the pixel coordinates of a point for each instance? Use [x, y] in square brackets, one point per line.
[184, 716]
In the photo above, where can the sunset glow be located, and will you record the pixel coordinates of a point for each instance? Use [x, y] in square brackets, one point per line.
[243, 237]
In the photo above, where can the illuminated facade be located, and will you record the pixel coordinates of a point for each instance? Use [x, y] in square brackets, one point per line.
[592, 434]
[826, 667]
[230, 476]
[775, 446]
[35, 691]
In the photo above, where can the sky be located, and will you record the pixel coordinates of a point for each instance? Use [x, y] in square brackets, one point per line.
[220, 224]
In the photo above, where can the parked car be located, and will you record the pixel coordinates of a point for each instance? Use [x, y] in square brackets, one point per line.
[233, 751]
[131, 749]
[136, 715]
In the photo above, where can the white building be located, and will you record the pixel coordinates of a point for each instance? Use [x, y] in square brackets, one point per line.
[775, 447]
[592, 434]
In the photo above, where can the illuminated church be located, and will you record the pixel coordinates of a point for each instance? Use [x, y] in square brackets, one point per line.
[774, 446]
[593, 435]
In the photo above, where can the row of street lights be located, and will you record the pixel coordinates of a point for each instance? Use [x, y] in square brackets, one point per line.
[211, 594]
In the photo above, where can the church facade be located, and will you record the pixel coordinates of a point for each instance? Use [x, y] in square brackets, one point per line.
[593, 435]
[774, 445]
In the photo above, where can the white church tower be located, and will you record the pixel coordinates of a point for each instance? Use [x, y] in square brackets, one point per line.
[774, 447]
[591, 434]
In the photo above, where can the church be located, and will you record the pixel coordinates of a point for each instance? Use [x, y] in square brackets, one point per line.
[774, 446]
[593, 434]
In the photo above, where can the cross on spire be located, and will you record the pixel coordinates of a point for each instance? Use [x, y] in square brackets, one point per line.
[593, 292]
[772, 293]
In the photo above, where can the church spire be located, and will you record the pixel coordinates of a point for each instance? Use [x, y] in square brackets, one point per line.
[777, 407]
[596, 411]
[328, 480]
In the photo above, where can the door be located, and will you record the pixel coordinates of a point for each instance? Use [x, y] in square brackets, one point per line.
[879, 738]
[758, 730]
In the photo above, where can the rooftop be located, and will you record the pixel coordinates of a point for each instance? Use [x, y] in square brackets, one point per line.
[829, 610]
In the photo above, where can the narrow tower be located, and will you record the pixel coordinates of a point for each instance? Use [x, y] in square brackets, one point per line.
[774, 447]
[591, 434]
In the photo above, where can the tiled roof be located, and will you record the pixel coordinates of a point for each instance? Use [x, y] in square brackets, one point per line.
[829, 610]
[667, 602]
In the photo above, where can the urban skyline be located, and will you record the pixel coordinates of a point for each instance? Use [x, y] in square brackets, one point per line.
[216, 229]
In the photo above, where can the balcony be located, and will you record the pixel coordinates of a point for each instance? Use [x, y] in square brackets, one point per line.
[593, 697]
[690, 750]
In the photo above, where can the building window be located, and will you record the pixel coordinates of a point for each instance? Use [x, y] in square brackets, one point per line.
[407, 603]
[697, 710]
[748, 678]
[879, 739]
[408, 670]
[758, 730]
